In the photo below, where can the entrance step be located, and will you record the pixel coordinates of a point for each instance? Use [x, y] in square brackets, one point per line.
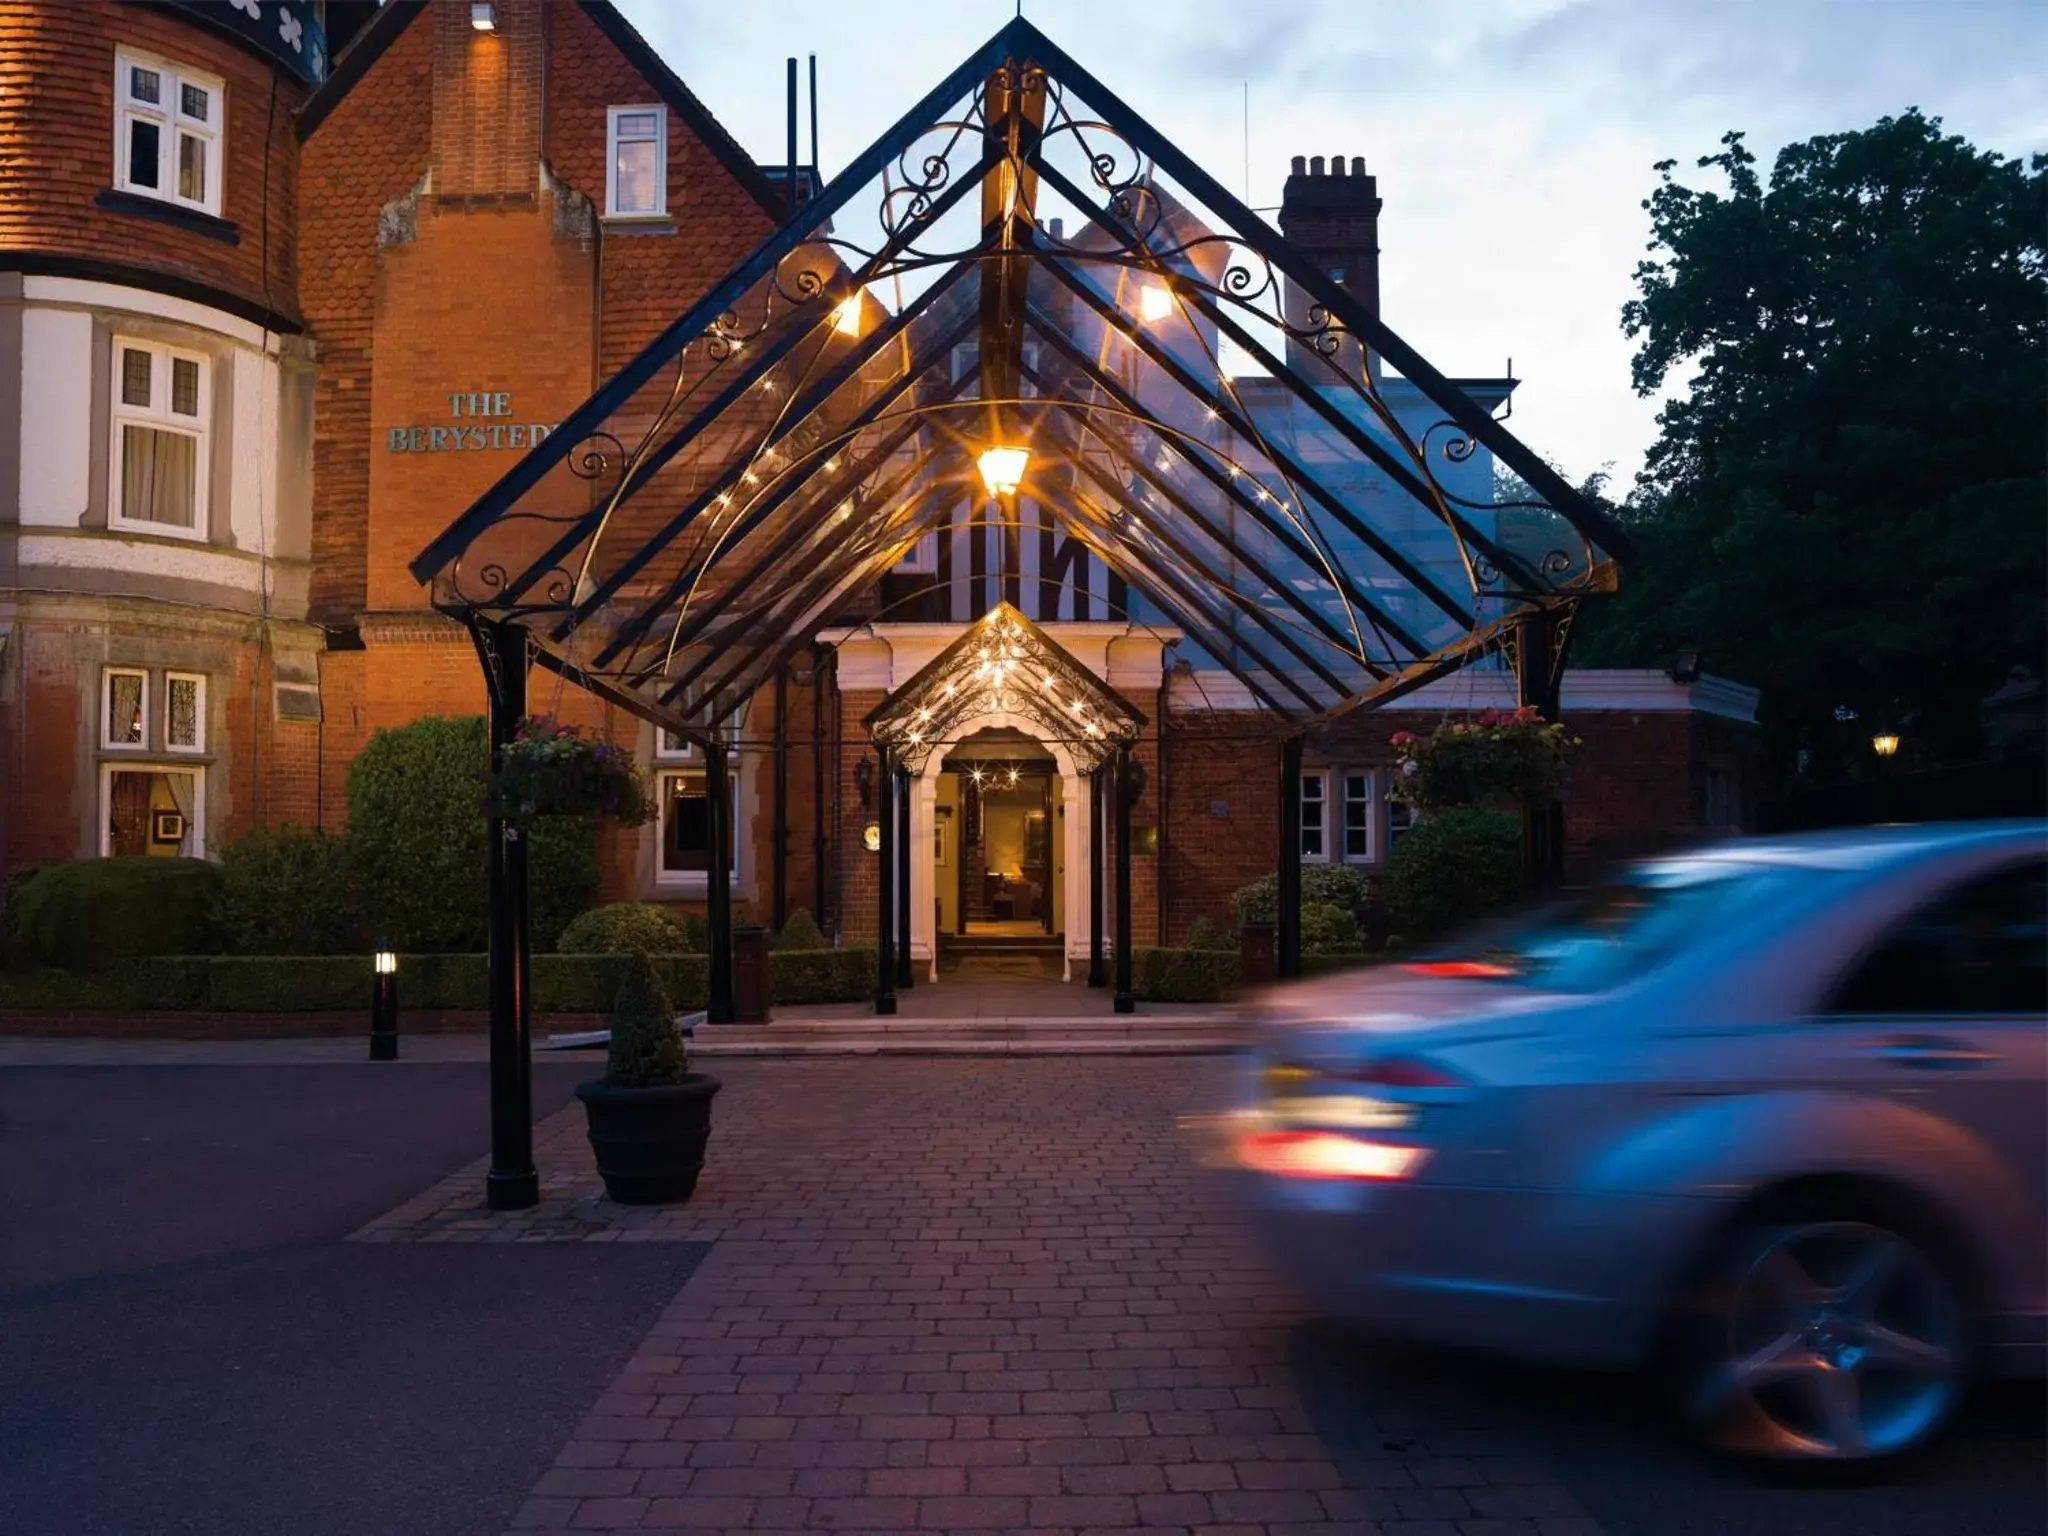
[1156, 1035]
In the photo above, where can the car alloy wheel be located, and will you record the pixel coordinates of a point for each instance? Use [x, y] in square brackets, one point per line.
[1836, 1341]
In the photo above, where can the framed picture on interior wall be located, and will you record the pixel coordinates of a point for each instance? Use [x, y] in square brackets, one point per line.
[167, 827]
[942, 829]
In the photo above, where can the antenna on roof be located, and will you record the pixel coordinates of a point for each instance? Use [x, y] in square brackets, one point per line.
[789, 193]
[817, 175]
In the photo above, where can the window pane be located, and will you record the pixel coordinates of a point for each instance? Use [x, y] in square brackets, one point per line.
[1982, 950]
[181, 717]
[124, 709]
[184, 387]
[637, 125]
[191, 168]
[195, 101]
[686, 826]
[159, 473]
[635, 176]
[143, 149]
[145, 84]
[134, 377]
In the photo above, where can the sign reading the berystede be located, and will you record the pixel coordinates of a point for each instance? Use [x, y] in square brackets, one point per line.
[479, 423]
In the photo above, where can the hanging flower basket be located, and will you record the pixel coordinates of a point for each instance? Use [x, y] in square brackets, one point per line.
[1502, 760]
[551, 769]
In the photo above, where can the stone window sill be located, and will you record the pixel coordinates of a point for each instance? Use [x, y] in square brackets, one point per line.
[188, 219]
[638, 224]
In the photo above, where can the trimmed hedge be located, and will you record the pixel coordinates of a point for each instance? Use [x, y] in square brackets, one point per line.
[337, 983]
[624, 928]
[1183, 975]
[1336, 885]
[289, 890]
[86, 914]
[1453, 868]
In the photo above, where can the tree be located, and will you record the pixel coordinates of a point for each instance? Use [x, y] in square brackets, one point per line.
[1846, 508]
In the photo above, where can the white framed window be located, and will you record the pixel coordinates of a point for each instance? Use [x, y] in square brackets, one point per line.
[636, 162]
[167, 132]
[158, 454]
[1400, 818]
[152, 809]
[683, 820]
[124, 709]
[922, 558]
[1358, 818]
[1315, 816]
[184, 712]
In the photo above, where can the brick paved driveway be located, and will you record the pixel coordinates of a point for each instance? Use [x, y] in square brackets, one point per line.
[994, 1295]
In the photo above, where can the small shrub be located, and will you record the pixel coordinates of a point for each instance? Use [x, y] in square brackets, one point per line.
[1206, 936]
[416, 836]
[646, 1048]
[1452, 869]
[1183, 975]
[696, 934]
[12, 950]
[799, 932]
[623, 928]
[798, 976]
[85, 914]
[289, 891]
[1328, 929]
[1337, 885]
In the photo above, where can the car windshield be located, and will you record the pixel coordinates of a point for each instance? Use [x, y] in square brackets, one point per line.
[1614, 932]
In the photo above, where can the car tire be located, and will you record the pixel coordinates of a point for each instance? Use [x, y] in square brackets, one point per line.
[1822, 1334]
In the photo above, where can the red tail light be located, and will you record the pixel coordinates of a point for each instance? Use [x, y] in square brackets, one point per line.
[1483, 969]
[1404, 1072]
[1325, 1155]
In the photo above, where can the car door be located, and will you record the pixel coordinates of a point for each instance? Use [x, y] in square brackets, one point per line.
[1948, 1010]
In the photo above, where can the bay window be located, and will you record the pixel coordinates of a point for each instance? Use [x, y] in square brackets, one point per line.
[158, 444]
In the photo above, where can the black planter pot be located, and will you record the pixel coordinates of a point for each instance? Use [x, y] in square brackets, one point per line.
[650, 1141]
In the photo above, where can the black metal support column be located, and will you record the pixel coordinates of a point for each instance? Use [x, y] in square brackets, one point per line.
[1125, 1002]
[778, 902]
[1539, 673]
[512, 1184]
[885, 895]
[904, 978]
[718, 884]
[1287, 945]
[1098, 852]
[818, 912]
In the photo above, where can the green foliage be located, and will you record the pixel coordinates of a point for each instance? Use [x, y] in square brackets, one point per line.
[85, 914]
[799, 931]
[820, 976]
[696, 934]
[552, 769]
[1183, 975]
[289, 891]
[1454, 868]
[1338, 885]
[624, 928]
[416, 835]
[646, 1047]
[12, 950]
[1501, 759]
[1206, 936]
[1845, 507]
[1328, 929]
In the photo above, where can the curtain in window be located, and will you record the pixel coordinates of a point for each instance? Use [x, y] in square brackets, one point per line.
[184, 788]
[159, 475]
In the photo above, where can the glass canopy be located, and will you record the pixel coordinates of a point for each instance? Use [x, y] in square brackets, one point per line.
[1022, 299]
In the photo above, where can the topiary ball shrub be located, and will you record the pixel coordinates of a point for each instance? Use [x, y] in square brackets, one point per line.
[85, 914]
[623, 928]
[1328, 929]
[1336, 885]
[800, 931]
[1452, 869]
[416, 840]
[647, 1050]
[1206, 936]
[289, 891]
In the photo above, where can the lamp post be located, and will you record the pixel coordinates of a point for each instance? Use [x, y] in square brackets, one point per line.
[384, 1006]
[1885, 745]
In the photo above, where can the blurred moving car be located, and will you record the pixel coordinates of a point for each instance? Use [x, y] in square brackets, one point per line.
[1771, 1116]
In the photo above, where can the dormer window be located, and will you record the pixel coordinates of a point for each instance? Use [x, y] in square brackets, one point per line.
[167, 132]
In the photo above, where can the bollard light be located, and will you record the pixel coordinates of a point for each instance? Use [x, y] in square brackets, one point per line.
[384, 1006]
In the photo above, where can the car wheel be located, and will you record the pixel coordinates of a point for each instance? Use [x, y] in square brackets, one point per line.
[1825, 1341]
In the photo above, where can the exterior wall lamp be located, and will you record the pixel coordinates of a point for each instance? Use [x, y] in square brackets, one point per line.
[1155, 302]
[1884, 746]
[1002, 469]
[483, 15]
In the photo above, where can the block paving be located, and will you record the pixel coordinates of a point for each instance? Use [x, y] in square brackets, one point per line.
[979, 1295]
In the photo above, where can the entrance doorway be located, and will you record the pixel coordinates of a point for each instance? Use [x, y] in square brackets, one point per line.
[999, 850]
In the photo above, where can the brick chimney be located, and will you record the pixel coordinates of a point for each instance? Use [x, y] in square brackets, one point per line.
[1333, 213]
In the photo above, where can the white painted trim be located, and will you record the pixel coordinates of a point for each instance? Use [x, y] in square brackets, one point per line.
[198, 747]
[158, 416]
[194, 771]
[1329, 853]
[107, 742]
[612, 210]
[80, 293]
[179, 559]
[691, 882]
[171, 121]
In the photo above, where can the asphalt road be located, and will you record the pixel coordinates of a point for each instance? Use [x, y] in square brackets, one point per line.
[186, 1345]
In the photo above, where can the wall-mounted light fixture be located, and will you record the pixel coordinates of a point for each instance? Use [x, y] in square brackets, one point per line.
[483, 15]
[1884, 746]
[1002, 469]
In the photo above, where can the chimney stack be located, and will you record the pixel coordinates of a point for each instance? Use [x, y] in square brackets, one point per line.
[1334, 217]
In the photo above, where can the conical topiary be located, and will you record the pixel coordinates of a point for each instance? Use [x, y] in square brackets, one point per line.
[800, 931]
[646, 1049]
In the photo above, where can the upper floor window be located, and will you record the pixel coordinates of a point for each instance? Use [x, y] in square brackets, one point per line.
[124, 707]
[159, 439]
[167, 132]
[636, 163]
